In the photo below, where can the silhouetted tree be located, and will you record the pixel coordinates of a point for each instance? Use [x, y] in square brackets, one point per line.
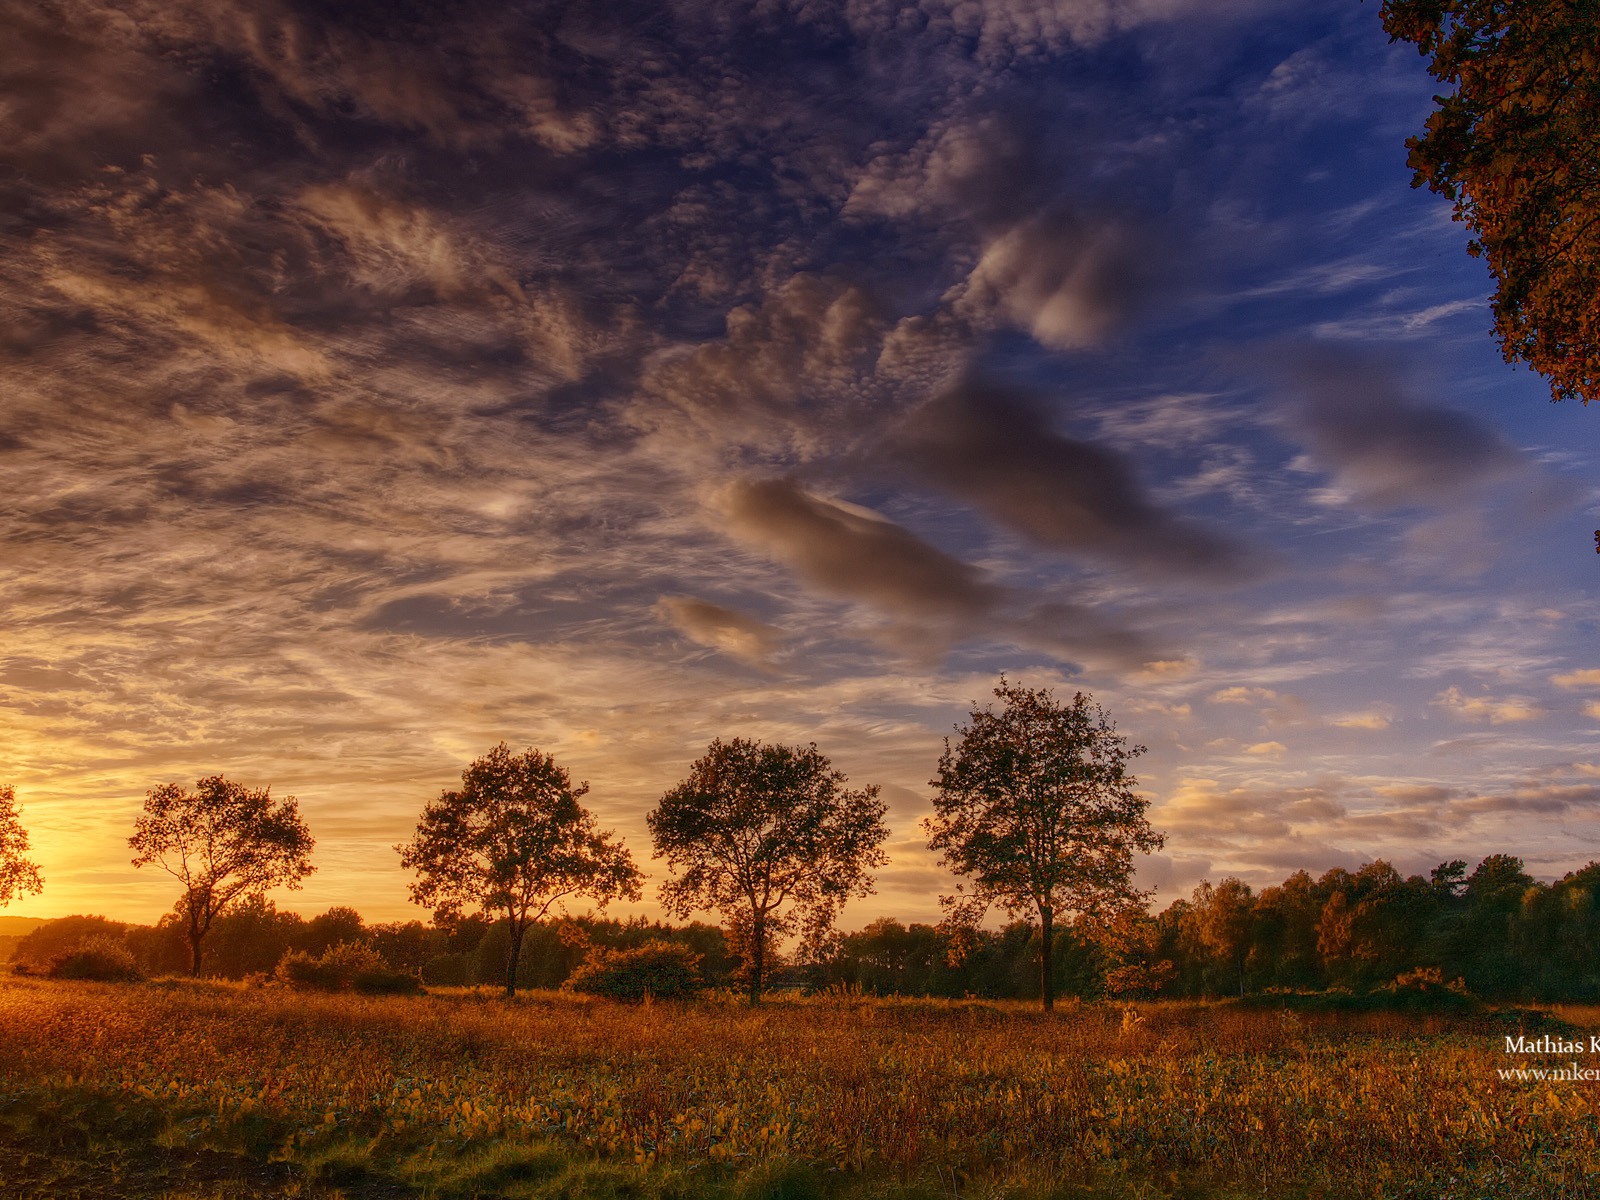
[769, 837]
[223, 842]
[252, 937]
[17, 873]
[1478, 938]
[1514, 147]
[162, 948]
[1390, 926]
[407, 945]
[1558, 937]
[326, 930]
[1284, 937]
[1035, 805]
[514, 842]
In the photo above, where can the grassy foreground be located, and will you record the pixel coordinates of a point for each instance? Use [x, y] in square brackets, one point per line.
[193, 1091]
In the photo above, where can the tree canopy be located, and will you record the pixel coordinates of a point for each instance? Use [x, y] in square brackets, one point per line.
[769, 837]
[514, 842]
[223, 842]
[17, 873]
[1514, 147]
[1036, 807]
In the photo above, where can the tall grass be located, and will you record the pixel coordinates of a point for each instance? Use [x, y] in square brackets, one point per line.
[945, 1098]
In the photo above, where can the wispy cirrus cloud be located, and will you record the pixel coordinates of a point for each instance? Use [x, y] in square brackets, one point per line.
[382, 382]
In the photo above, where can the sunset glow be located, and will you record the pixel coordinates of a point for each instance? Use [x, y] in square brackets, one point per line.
[608, 378]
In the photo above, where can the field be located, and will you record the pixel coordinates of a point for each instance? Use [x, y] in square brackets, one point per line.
[192, 1091]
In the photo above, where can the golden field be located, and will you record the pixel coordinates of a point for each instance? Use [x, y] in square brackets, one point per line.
[466, 1094]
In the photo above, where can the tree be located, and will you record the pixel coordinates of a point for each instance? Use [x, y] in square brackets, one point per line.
[1036, 807]
[1514, 147]
[223, 842]
[1478, 938]
[769, 837]
[1130, 947]
[1224, 917]
[327, 930]
[514, 842]
[17, 874]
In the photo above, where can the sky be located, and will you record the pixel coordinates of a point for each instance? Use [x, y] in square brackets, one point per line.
[385, 380]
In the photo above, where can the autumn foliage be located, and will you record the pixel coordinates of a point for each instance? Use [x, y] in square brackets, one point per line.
[1514, 146]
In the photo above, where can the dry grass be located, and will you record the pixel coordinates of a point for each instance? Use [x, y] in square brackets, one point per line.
[952, 1099]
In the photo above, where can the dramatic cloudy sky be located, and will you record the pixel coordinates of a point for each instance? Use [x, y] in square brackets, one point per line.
[382, 380]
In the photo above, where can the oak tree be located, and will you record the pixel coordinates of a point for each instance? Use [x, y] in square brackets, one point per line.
[1514, 146]
[770, 837]
[17, 873]
[223, 842]
[513, 842]
[1034, 804]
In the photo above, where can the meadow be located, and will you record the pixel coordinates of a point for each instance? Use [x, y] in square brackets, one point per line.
[197, 1090]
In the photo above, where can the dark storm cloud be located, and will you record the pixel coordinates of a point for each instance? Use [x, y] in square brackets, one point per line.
[1382, 446]
[991, 447]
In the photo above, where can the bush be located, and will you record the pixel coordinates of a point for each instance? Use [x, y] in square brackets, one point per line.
[657, 969]
[100, 958]
[384, 980]
[1423, 989]
[54, 939]
[448, 970]
[345, 967]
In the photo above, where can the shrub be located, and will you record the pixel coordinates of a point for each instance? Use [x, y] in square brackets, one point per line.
[384, 980]
[347, 966]
[50, 941]
[657, 969]
[100, 958]
[448, 970]
[1423, 989]
[1420, 991]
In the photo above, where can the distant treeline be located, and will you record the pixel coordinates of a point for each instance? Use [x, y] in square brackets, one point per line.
[1501, 932]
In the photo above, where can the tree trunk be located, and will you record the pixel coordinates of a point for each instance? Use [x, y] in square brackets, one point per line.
[758, 957]
[195, 934]
[1047, 979]
[514, 955]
